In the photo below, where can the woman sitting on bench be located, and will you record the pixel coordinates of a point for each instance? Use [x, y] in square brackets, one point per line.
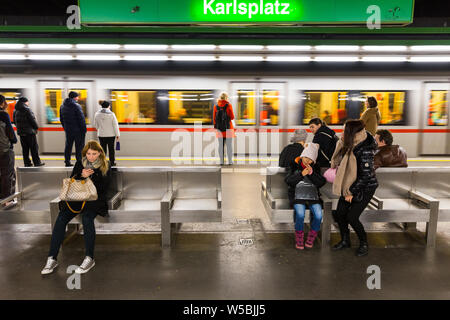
[94, 166]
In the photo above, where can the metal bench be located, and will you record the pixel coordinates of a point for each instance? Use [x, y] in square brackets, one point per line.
[195, 196]
[163, 195]
[403, 196]
[35, 188]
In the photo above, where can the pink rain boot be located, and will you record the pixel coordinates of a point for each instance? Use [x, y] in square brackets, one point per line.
[310, 239]
[299, 240]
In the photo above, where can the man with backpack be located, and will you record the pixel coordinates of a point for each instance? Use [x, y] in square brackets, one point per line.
[326, 139]
[222, 116]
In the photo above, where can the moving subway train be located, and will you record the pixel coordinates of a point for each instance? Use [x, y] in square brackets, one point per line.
[150, 109]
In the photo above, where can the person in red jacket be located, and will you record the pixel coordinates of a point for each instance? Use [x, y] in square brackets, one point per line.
[222, 119]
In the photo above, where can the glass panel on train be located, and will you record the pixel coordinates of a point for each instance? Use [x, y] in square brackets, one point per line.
[390, 103]
[330, 106]
[187, 107]
[246, 107]
[134, 107]
[438, 108]
[11, 96]
[270, 107]
[82, 101]
[54, 99]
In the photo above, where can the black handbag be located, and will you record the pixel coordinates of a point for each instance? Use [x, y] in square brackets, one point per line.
[306, 190]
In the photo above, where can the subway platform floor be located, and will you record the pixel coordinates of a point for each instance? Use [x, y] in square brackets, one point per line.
[245, 257]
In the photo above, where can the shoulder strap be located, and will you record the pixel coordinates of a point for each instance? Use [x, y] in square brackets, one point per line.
[329, 136]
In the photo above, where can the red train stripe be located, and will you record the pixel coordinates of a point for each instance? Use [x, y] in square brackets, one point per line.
[125, 129]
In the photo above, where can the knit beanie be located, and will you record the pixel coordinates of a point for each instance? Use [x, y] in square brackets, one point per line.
[299, 135]
[23, 99]
[73, 94]
[311, 151]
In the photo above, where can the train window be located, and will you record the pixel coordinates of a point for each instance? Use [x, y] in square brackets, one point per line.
[187, 107]
[54, 99]
[134, 107]
[11, 98]
[438, 108]
[246, 107]
[390, 103]
[330, 106]
[270, 107]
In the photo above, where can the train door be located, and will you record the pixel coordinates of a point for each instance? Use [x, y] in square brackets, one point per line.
[435, 131]
[258, 109]
[51, 96]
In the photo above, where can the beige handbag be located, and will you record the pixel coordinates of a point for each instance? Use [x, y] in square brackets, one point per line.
[78, 190]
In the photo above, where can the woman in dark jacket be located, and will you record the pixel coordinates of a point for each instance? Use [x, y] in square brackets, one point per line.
[355, 181]
[27, 127]
[304, 184]
[326, 139]
[95, 167]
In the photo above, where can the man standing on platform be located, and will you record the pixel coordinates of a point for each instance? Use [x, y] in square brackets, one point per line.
[74, 124]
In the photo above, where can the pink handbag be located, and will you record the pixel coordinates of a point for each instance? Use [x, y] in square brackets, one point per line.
[330, 174]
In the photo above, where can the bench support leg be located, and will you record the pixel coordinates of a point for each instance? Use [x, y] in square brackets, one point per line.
[431, 229]
[326, 224]
[166, 232]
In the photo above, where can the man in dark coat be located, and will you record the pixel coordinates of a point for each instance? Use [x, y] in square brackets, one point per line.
[74, 124]
[326, 139]
[27, 128]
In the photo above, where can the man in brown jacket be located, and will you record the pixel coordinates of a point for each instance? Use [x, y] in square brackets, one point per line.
[371, 117]
[388, 155]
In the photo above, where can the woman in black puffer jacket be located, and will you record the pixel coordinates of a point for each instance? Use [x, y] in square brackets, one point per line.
[355, 181]
[94, 166]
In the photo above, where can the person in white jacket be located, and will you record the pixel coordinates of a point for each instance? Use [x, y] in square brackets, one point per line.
[105, 122]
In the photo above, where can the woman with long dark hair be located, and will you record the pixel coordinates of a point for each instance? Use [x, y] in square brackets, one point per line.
[355, 181]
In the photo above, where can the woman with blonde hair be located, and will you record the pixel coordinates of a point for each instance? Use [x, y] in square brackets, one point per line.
[222, 119]
[94, 166]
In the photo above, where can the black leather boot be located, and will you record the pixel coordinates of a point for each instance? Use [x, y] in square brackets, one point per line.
[363, 249]
[344, 243]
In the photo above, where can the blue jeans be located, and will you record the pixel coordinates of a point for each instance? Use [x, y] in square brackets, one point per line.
[316, 210]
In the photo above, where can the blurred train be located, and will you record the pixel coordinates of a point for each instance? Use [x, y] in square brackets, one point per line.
[150, 109]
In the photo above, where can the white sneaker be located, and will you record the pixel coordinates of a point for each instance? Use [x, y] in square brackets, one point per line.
[49, 266]
[88, 264]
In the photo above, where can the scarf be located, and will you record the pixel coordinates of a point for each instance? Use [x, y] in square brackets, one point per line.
[96, 164]
[347, 167]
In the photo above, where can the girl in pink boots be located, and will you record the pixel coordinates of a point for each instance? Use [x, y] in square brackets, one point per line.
[306, 180]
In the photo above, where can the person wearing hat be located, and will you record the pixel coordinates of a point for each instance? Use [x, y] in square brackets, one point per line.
[107, 126]
[306, 181]
[27, 129]
[7, 139]
[293, 150]
[72, 119]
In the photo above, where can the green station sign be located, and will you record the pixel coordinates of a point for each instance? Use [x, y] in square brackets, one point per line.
[160, 12]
